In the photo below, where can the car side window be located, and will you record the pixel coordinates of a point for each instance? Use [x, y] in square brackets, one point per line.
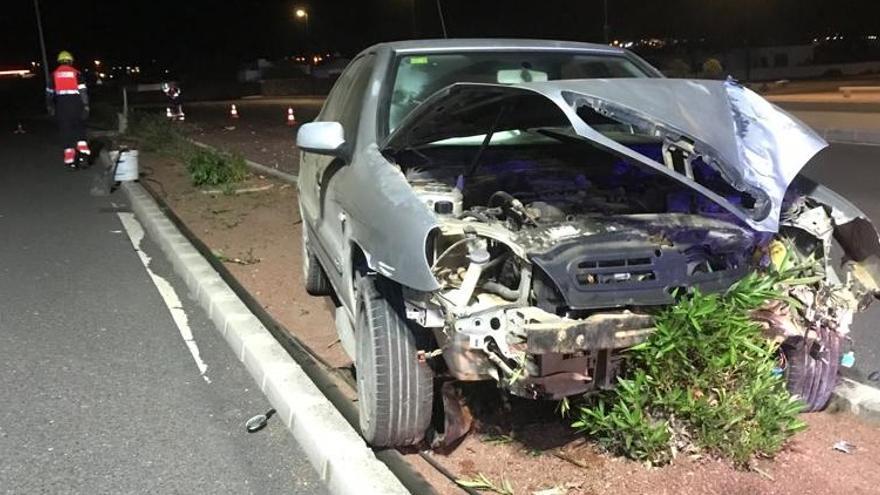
[336, 98]
[345, 102]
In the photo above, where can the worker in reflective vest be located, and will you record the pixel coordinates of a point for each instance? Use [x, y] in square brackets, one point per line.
[68, 100]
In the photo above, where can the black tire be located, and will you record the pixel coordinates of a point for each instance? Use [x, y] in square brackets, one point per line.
[811, 368]
[316, 281]
[395, 390]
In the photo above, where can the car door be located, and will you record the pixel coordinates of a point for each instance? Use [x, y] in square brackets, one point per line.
[318, 173]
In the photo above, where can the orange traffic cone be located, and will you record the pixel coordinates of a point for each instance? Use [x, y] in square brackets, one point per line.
[233, 112]
[19, 129]
[291, 119]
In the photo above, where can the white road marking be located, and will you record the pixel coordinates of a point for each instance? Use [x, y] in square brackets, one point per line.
[136, 234]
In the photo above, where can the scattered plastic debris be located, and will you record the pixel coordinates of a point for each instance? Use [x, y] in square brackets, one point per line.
[844, 446]
[556, 490]
[259, 421]
[763, 473]
[848, 360]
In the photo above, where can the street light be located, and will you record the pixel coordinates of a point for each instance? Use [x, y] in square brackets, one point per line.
[303, 14]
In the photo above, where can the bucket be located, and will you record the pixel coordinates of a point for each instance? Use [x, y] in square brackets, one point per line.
[127, 168]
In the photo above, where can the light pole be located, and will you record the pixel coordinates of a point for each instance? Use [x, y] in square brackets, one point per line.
[303, 14]
[442, 20]
[42, 42]
[606, 29]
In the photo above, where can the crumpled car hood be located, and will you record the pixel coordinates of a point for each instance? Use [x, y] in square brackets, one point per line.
[755, 146]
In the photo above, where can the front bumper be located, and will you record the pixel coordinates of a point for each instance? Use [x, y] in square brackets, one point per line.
[547, 333]
[536, 354]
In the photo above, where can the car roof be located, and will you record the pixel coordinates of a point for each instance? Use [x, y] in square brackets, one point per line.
[479, 44]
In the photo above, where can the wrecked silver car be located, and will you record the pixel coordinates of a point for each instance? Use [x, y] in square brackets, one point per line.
[517, 212]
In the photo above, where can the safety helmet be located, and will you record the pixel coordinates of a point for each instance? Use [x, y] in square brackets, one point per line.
[64, 56]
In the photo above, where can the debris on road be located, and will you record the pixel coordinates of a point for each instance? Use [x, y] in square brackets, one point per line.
[848, 360]
[259, 421]
[239, 191]
[482, 483]
[844, 446]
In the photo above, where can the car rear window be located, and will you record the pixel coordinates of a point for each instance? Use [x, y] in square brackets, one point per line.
[419, 76]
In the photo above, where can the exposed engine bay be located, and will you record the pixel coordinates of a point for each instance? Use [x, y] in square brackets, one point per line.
[552, 260]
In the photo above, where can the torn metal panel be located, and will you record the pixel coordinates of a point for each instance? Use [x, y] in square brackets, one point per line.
[856, 234]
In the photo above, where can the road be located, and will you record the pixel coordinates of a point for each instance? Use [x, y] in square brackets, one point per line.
[854, 171]
[103, 391]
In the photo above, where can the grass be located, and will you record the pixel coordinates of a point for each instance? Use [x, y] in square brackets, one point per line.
[206, 167]
[211, 168]
[703, 382]
[155, 132]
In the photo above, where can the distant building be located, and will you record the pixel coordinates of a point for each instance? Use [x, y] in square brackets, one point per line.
[253, 72]
[331, 69]
[788, 62]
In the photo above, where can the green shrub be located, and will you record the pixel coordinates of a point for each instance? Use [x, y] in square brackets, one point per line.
[154, 132]
[712, 69]
[704, 381]
[211, 168]
[677, 68]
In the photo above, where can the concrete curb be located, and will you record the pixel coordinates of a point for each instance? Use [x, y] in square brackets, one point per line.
[850, 136]
[263, 169]
[861, 400]
[344, 462]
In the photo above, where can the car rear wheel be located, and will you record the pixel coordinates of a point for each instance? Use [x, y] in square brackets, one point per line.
[316, 281]
[395, 390]
[811, 367]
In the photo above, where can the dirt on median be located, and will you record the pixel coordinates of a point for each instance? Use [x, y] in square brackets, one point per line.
[258, 236]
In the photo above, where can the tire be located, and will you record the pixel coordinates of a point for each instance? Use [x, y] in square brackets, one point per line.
[395, 390]
[316, 281]
[811, 368]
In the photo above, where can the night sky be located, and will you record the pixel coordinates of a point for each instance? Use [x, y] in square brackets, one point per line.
[221, 32]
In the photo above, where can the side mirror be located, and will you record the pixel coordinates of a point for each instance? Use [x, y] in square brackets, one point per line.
[323, 138]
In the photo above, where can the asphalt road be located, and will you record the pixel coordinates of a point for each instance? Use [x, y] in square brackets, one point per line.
[854, 172]
[99, 392]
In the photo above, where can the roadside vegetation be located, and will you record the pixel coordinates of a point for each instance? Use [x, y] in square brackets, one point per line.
[706, 382]
[205, 167]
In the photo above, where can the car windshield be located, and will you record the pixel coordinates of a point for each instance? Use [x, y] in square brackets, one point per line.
[419, 76]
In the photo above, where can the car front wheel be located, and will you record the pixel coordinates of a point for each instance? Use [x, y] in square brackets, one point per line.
[395, 389]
